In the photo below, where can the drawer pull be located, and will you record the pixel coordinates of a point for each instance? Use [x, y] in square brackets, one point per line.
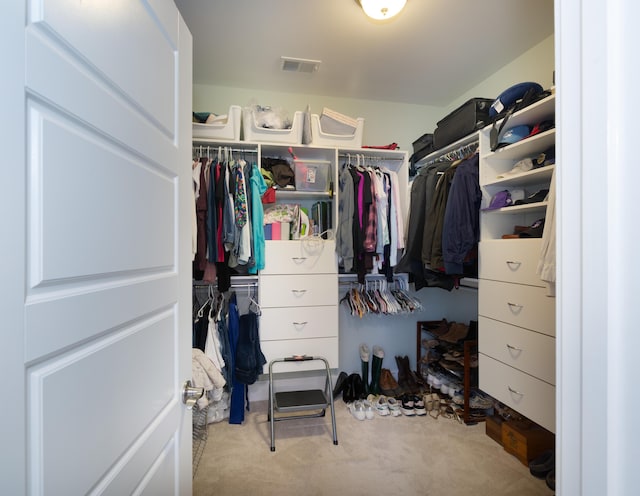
[298, 259]
[514, 391]
[514, 307]
[300, 324]
[298, 291]
[513, 264]
[511, 347]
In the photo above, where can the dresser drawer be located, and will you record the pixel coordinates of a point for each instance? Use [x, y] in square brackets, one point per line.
[510, 260]
[300, 257]
[298, 323]
[298, 290]
[531, 397]
[517, 304]
[525, 350]
[324, 347]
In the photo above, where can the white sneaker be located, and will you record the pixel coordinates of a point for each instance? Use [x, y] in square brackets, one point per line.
[357, 409]
[368, 410]
[418, 406]
[394, 407]
[382, 406]
[406, 405]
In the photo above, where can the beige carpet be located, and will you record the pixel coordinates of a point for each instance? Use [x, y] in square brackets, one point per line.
[383, 456]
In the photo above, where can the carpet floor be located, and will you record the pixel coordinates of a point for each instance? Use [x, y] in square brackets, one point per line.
[386, 455]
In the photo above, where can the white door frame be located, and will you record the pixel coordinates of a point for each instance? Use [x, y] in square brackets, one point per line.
[597, 396]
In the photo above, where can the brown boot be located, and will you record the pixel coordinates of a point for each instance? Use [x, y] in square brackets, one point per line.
[388, 384]
[414, 386]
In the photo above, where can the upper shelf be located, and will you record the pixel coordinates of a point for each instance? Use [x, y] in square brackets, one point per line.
[536, 112]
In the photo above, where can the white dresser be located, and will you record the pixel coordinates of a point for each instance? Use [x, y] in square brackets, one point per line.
[516, 325]
[298, 292]
[516, 321]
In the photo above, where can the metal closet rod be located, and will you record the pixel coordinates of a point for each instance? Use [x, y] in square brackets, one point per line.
[370, 157]
[455, 153]
[215, 149]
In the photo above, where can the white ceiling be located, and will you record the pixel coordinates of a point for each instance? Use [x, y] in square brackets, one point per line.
[430, 54]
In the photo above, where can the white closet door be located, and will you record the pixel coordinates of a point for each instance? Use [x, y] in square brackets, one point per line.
[97, 248]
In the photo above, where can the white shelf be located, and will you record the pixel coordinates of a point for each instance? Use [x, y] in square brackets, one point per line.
[523, 148]
[529, 178]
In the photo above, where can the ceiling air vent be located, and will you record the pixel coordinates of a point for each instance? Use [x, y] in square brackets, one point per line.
[290, 64]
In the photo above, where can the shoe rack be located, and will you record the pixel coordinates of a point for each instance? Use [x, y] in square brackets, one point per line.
[467, 377]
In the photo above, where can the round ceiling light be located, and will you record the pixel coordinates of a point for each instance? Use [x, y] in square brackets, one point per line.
[381, 10]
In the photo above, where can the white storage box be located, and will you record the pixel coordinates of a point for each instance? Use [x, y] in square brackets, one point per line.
[320, 138]
[312, 175]
[229, 130]
[253, 132]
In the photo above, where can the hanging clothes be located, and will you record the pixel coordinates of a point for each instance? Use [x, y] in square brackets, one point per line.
[346, 212]
[369, 233]
[236, 408]
[200, 259]
[546, 268]
[432, 243]
[461, 227]
[258, 188]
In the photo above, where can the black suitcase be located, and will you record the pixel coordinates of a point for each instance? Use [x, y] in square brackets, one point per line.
[422, 147]
[469, 117]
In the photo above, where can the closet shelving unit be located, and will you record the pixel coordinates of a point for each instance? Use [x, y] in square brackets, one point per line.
[298, 289]
[516, 314]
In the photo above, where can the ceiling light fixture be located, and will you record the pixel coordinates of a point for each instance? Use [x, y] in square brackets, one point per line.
[381, 10]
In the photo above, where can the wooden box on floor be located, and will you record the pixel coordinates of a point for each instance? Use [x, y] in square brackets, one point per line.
[493, 425]
[525, 439]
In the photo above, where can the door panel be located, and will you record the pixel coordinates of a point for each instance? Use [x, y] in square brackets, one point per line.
[83, 402]
[83, 228]
[106, 309]
[96, 99]
[143, 45]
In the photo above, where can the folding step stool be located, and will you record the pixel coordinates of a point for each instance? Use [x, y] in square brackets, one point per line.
[296, 401]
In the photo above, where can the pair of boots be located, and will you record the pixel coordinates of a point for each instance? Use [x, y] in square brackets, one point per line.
[406, 378]
[350, 386]
[376, 369]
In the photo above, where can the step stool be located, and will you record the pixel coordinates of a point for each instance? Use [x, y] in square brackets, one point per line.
[296, 401]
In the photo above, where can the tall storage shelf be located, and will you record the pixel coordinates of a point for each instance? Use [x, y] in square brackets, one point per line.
[516, 314]
[298, 288]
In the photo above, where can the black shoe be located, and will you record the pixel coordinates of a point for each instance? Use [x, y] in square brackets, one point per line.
[543, 464]
[551, 480]
[353, 388]
[340, 381]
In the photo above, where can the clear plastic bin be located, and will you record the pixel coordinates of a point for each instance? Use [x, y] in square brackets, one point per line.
[312, 175]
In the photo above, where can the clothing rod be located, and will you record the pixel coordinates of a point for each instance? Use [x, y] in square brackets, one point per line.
[246, 284]
[353, 278]
[224, 148]
[453, 154]
[369, 157]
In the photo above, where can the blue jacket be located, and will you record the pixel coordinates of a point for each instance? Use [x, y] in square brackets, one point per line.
[461, 230]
